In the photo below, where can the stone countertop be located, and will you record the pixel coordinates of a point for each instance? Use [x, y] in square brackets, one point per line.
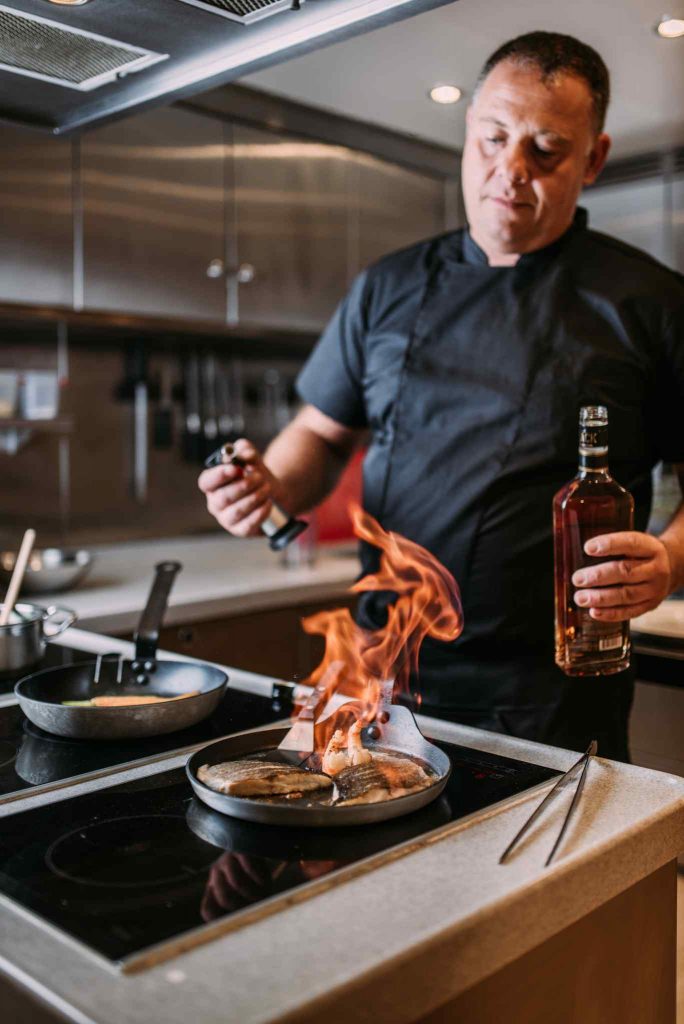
[385, 945]
[220, 576]
[667, 620]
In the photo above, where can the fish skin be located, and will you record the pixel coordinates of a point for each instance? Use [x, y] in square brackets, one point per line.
[260, 778]
[386, 777]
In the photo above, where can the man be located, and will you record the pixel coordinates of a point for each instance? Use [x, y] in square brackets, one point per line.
[467, 358]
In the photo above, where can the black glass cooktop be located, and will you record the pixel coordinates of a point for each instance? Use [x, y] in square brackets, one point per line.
[30, 757]
[138, 864]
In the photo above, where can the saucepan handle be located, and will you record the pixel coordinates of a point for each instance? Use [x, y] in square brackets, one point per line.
[52, 613]
[147, 635]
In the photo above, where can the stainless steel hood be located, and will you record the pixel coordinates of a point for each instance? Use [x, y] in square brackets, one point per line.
[64, 68]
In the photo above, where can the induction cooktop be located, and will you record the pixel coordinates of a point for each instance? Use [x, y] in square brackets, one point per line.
[131, 868]
[30, 757]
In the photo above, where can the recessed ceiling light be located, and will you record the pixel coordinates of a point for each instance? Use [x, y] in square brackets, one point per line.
[670, 28]
[445, 93]
[69, 3]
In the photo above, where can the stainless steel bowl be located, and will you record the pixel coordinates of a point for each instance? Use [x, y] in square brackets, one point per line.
[49, 570]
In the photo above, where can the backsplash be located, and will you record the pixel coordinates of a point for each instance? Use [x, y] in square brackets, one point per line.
[85, 485]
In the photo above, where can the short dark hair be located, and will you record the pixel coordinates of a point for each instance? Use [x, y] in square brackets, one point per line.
[552, 53]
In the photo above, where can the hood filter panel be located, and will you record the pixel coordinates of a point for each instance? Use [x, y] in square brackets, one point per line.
[55, 53]
[243, 11]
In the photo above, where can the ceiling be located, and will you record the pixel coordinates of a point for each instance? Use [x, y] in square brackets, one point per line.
[384, 76]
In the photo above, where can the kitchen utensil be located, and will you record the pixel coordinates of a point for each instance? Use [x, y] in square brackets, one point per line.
[583, 764]
[192, 436]
[394, 732]
[279, 527]
[22, 642]
[223, 403]
[298, 743]
[42, 693]
[238, 397]
[162, 422]
[49, 570]
[209, 413]
[17, 576]
[140, 410]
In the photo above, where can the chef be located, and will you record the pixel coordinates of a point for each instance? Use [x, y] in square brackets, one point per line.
[462, 362]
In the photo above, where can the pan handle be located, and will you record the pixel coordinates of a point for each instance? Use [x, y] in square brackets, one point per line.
[147, 634]
[59, 618]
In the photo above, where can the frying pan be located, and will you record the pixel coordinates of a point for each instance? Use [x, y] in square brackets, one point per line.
[40, 694]
[398, 735]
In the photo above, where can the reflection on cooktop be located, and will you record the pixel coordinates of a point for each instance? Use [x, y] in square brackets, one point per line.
[31, 757]
[140, 863]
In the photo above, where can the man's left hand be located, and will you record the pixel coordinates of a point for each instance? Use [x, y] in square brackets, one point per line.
[634, 578]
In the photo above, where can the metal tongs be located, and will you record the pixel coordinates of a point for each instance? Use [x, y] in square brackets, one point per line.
[579, 766]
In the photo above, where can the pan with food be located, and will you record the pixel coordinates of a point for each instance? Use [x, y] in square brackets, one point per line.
[383, 772]
[125, 699]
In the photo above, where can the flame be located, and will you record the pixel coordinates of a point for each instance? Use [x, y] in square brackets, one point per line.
[367, 665]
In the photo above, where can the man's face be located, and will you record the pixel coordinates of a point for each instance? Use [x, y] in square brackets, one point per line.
[530, 147]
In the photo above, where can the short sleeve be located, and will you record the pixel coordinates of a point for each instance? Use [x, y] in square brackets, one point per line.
[332, 377]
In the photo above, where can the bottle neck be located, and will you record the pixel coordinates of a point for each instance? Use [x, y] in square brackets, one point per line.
[593, 464]
[593, 449]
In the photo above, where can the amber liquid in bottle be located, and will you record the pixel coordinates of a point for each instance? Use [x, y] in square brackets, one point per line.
[590, 504]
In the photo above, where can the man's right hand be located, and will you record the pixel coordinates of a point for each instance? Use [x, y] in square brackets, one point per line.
[240, 499]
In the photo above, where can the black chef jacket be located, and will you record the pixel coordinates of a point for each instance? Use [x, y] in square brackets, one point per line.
[470, 379]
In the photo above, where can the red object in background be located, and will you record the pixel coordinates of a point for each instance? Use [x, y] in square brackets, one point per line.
[332, 516]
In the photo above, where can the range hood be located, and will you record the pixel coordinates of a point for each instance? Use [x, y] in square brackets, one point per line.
[66, 65]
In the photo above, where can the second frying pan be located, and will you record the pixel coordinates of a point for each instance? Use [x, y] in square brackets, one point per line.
[41, 694]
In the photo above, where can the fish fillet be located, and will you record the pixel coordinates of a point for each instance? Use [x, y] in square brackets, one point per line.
[259, 778]
[386, 777]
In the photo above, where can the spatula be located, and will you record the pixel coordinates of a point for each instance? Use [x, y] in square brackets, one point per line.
[393, 727]
[298, 744]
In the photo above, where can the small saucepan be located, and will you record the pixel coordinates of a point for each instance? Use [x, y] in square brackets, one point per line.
[31, 627]
[42, 695]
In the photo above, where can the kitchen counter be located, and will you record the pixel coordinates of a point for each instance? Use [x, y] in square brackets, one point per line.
[667, 620]
[393, 944]
[221, 576]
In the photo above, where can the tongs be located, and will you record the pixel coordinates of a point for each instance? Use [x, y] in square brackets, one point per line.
[579, 766]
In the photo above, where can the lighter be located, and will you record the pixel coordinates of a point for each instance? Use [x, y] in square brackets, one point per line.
[279, 527]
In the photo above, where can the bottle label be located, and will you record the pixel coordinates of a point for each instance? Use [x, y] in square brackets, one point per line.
[593, 439]
[609, 643]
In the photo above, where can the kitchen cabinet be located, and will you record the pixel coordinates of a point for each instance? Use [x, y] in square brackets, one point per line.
[154, 215]
[36, 262]
[291, 212]
[395, 207]
[657, 721]
[270, 642]
[174, 213]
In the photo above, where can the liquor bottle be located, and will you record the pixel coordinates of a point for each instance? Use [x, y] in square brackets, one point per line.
[590, 504]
